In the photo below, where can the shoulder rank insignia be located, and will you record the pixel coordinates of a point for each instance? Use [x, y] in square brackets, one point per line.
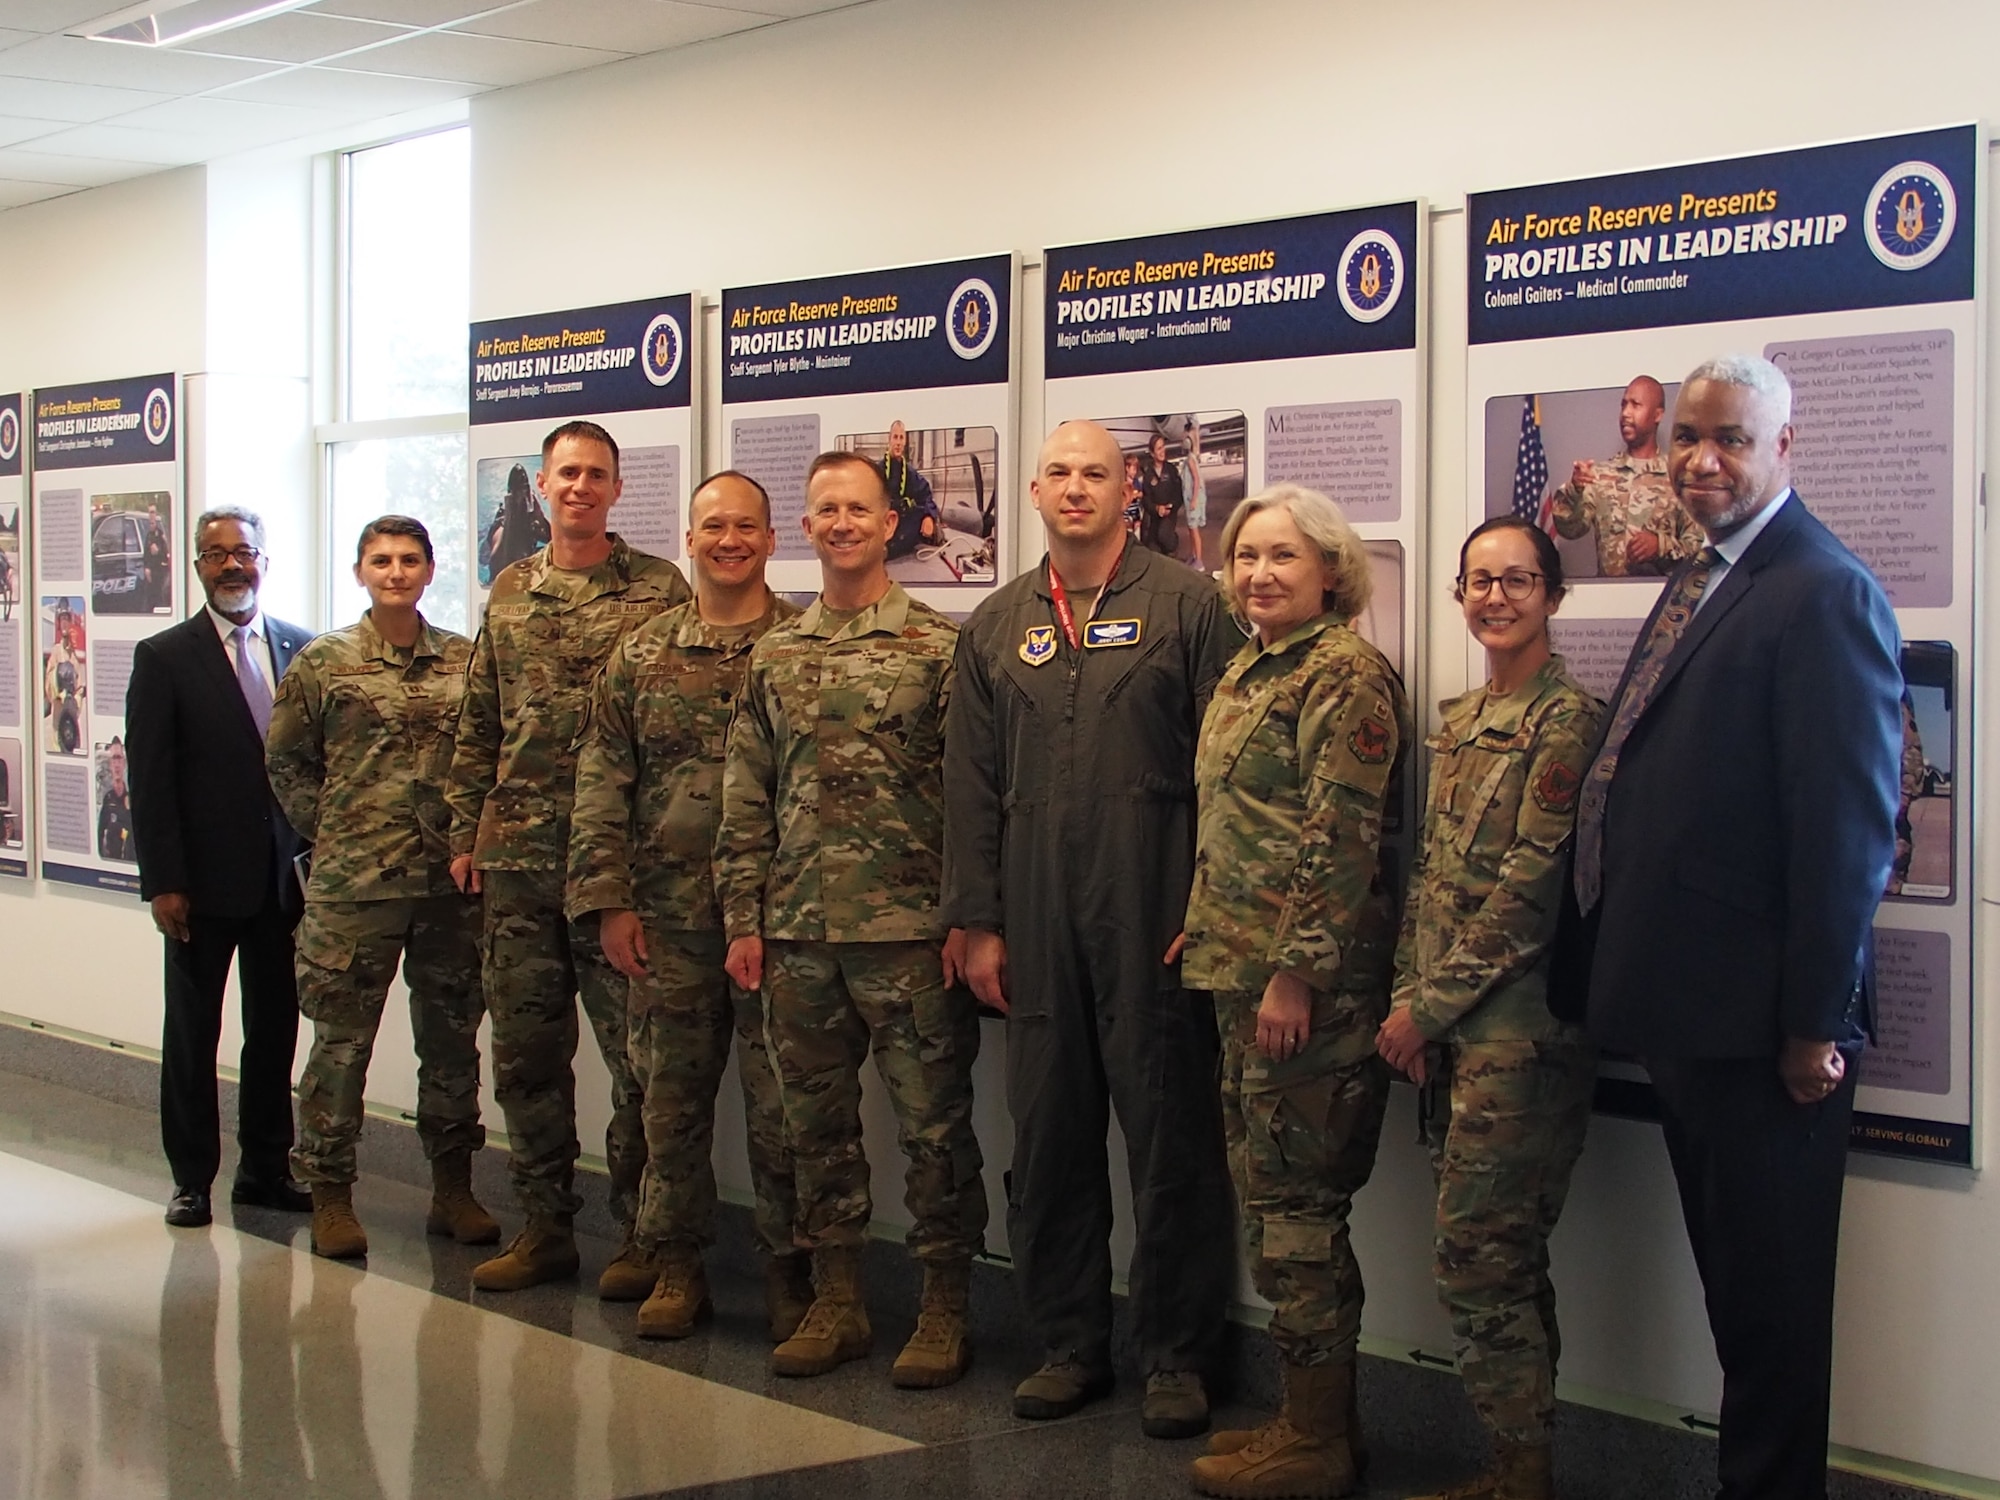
[1369, 742]
[1556, 788]
[1039, 645]
[1101, 633]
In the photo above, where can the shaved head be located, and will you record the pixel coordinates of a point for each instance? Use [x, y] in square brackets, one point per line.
[1079, 487]
[1080, 438]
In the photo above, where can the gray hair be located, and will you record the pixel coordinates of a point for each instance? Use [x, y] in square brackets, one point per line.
[248, 519]
[1320, 520]
[1751, 370]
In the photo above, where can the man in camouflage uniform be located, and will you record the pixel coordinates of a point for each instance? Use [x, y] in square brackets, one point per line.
[1642, 530]
[552, 621]
[648, 795]
[1291, 916]
[361, 738]
[828, 863]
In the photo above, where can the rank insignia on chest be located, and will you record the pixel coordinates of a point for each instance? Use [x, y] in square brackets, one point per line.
[1039, 645]
[1099, 634]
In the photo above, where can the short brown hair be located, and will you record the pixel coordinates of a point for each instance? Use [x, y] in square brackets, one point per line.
[838, 456]
[588, 432]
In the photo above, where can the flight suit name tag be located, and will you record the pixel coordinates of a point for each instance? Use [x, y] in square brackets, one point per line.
[1099, 634]
[1039, 645]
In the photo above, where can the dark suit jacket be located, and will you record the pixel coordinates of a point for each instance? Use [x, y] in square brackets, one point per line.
[203, 817]
[1752, 819]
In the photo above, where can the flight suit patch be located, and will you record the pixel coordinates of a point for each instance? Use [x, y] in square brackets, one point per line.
[1099, 634]
[1556, 788]
[1039, 645]
[1369, 742]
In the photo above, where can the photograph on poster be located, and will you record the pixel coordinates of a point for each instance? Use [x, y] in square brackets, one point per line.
[1381, 623]
[945, 485]
[10, 559]
[132, 553]
[114, 804]
[13, 830]
[63, 677]
[1184, 473]
[513, 523]
[1590, 468]
[1925, 816]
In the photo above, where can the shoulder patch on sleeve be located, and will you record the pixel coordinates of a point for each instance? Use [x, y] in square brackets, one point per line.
[1370, 742]
[1556, 788]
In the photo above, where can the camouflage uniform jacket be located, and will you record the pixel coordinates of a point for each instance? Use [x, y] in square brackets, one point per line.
[547, 634]
[360, 741]
[1627, 495]
[1471, 964]
[1298, 751]
[649, 776]
[833, 795]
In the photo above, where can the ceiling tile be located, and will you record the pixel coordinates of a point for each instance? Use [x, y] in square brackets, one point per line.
[454, 56]
[79, 102]
[295, 38]
[13, 131]
[209, 115]
[16, 194]
[12, 38]
[69, 59]
[614, 25]
[798, 7]
[56, 15]
[76, 171]
[350, 93]
[410, 12]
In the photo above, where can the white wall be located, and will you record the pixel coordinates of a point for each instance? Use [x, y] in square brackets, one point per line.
[918, 129]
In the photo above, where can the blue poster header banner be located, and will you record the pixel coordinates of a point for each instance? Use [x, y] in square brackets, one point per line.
[1887, 222]
[1337, 283]
[905, 329]
[551, 367]
[11, 446]
[108, 422]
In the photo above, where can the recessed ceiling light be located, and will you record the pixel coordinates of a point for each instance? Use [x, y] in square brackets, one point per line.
[168, 23]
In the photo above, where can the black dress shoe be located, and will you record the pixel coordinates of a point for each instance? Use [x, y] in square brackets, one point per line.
[188, 1208]
[271, 1192]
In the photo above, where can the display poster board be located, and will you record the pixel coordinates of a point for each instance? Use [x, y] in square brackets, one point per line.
[912, 366]
[110, 564]
[15, 615]
[629, 367]
[1855, 267]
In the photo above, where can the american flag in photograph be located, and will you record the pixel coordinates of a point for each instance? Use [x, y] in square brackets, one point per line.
[1531, 465]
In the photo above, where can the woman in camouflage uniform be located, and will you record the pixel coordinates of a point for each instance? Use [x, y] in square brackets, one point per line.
[1291, 924]
[1506, 1086]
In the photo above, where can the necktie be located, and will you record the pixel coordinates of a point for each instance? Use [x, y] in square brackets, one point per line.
[1667, 631]
[256, 691]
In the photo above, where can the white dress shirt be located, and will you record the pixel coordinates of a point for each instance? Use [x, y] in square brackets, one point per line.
[1731, 548]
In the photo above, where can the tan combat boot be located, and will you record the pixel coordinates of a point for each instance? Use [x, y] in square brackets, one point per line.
[544, 1251]
[788, 1293]
[454, 1211]
[1300, 1454]
[1232, 1438]
[940, 1351]
[336, 1233]
[633, 1273]
[680, 1297]
[835, 1328]
[1520, 1471]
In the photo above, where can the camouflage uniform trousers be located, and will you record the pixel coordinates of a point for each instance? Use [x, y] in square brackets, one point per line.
[1503, 1152]
[682, 1014]
[1302, 1135]
[537, 963]
[826, 1004]
[347, 957]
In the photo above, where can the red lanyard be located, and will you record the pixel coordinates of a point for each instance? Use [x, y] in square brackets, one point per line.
[1059, 597]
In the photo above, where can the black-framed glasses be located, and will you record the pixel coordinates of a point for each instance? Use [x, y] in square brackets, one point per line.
[1515, 583]
[215, 557]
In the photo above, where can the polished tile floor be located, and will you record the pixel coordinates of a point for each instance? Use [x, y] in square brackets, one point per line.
[139, 1361]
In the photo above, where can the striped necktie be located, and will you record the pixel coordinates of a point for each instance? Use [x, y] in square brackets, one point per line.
[1682, 597]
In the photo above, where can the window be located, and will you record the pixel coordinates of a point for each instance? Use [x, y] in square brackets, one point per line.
[398, 441]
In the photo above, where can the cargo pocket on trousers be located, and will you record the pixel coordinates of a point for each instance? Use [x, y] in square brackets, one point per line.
[1297, 1241]
[323, 946]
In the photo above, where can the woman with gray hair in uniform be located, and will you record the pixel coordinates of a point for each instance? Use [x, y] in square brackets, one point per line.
[1291, 924]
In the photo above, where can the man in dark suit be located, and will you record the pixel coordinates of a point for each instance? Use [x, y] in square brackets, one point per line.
[215, 861]
[1734, 835]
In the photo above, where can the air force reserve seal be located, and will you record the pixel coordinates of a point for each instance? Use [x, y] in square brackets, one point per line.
[159, 416]
[972, 317]
[1371, 276]
[1039, 645]
[1912, 211]
[10, 433]
[660, 352]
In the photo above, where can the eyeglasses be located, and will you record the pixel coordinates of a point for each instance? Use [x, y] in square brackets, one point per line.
[215, 557]
[1515, 583]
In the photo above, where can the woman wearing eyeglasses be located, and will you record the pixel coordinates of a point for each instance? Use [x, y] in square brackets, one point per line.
[1505, 1087]
[1292, 926]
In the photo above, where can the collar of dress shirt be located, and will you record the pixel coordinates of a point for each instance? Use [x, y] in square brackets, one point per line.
[1733, 546]
[226, 627]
